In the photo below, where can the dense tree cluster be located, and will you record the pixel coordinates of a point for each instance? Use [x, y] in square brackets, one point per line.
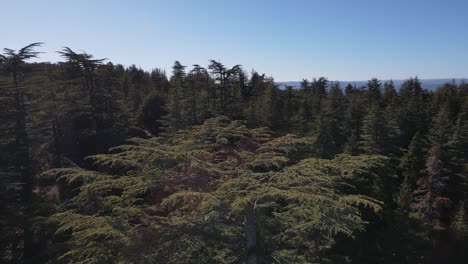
[101, 163]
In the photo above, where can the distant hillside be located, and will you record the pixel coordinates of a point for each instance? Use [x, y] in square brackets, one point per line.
[429, 84]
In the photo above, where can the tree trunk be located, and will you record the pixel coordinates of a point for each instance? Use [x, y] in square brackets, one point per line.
[24, 167]
[251, 233]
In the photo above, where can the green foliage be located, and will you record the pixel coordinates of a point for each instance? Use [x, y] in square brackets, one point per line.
[404, 197]
[329, 135]
[442, 127]
[16, 174]
[191, 189]
[457, 154]
[413, 161]
[459, 230]
[301, 209]
[429, 197]
[219, 166]
[94, 238]
[460, 223]
[374, 133]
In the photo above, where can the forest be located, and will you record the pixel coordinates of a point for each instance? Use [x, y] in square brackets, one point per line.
[102, 163]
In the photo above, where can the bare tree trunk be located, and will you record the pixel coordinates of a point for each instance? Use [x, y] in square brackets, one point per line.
[251, 233]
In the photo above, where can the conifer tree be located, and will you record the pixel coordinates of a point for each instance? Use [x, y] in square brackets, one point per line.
[137, 86]
[319, 92]
[413, 161]
[13, 63]
[404, 196]
[391, 104]
[349, 90]
[329, 127]
[293, 122]
[460, 223]
[87, 65]
[153, 107]
[413, 110]
[268, 103]
[175, 119]
[261, 101]
[457, 155]
[261, 104]
[226, 182]
[353, 123]
[226, 82]
[200, 185]
[307, 111]
[390, 94]
[459, 231]
[152, 113]
[429, 196]
[374, 91]
[374, 134]
[100, 118]
[442, 126]
[198, 97]
[446, 96]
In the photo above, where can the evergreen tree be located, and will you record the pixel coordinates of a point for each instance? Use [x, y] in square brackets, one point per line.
[349, 90]
[292, 121]
[442, 127]
[319, 92]
[446, 96]
[329, 128]
[404, 197]
[354, 116]
[13, 63]
[374, 91]
[374, 134]
[457, 155]
[153, 111]
[413, 161]
[391, 104]
[198, 104]
[390, 94]
[429, 196]
[153, 108]
[87, 65]
[175, 119]
[100, 119]
[413, 110]
[459, 231]
[206, 179]
[202, 168]
[228, 87]
[460, 223]
[261, 100]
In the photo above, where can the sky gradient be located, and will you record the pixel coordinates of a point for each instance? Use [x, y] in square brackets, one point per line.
[289, 39]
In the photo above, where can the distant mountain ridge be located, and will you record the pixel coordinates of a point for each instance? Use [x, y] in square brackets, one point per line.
[429, 84]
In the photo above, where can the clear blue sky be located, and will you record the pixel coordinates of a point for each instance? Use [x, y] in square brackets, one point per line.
[288, 39]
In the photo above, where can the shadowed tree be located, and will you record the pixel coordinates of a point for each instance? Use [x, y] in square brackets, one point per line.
[429, 196]
[222, 77]
[88, 66]
[13, 63]
[175, 118]
[374, 133]
[413, 116]
[413, 161]
[374, 92]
